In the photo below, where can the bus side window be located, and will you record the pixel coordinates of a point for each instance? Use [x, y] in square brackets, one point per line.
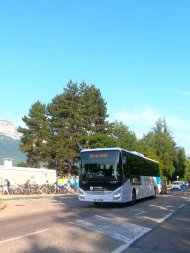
[136, 180]
[124, 160]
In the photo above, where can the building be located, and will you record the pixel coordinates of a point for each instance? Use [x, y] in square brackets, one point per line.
[20, 175]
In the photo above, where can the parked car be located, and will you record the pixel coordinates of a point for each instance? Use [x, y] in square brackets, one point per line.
[163, 189]
[177, 185]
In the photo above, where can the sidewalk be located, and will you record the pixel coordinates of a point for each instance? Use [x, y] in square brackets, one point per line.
[9, 197]
[2, 205]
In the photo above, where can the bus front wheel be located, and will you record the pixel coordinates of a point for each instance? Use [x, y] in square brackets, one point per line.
[154, 196]
[133, 200]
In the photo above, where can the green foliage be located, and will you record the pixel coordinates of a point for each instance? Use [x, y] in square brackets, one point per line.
[122, 137]
[78, 115]
[35, 136]
[180, 164]
[158, 144]
[64, 120]
[146, 146]
[187, 170]
[101, 141]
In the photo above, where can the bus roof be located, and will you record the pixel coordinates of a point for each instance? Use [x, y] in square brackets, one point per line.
[120, 149]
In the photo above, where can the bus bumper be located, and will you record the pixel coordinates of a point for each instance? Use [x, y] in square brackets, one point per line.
[101, 197]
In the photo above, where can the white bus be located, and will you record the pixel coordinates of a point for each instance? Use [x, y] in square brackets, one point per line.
[116, 175]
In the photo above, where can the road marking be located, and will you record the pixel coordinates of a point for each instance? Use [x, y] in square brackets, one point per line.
[23, 236]
[159, 220]
[182, 205]
[121, 248]
[137, 211]
[117, 229]
[165, 217]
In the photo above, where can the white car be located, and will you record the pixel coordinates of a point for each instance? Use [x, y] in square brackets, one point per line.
[176, 185]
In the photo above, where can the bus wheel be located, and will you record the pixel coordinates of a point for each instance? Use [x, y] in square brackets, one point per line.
[133, 198]
[154, 196]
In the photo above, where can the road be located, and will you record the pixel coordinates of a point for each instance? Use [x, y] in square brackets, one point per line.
[63, 224]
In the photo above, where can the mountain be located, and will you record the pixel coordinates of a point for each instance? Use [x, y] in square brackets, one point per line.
[8, 129]
[9, 143]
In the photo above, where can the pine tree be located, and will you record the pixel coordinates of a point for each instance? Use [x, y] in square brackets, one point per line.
[35, 136]
[93, 114]
[63, 114]
[76, 115]
[158, 144]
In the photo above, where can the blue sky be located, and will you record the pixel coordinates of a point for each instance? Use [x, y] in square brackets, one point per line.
[136, 52]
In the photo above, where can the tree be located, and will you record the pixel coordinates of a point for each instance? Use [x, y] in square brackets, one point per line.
[76, 116]
[187, 170]
[146, 146]
[64, 116]
[158, 144]
[35, 136]
[122, 136]
[180, 163]
[101, 140]
[93, 113]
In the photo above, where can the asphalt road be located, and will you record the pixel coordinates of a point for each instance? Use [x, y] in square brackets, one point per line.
[63, 224]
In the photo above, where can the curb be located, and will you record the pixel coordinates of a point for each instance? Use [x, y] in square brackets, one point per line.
[2, 206]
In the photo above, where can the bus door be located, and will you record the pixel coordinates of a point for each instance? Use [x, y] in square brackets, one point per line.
[136, 183]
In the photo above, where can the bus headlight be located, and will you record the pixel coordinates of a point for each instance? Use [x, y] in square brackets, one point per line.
[117, 195]
[81, 194]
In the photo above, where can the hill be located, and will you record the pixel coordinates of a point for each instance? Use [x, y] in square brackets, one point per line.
[9, 143]
[9, 148]
[8, 129]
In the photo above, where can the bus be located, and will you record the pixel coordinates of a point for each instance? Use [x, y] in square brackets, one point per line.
[116, 175]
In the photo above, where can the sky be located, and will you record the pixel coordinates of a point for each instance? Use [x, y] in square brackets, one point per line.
[136, 52]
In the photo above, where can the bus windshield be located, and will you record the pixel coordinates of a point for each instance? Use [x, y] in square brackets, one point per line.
[100, 165]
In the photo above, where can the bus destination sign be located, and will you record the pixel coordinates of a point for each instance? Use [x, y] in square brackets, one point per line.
[98, 155]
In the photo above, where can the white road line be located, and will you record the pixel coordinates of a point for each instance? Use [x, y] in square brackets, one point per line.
[165, 217]
[117, 229]
[182, 205]
[159, 220]
[138, 211]
[23, 236]
[121, 248]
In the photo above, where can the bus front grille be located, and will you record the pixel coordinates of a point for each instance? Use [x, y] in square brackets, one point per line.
[98, 192]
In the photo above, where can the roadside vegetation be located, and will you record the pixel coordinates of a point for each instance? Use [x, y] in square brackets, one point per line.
[77, 118]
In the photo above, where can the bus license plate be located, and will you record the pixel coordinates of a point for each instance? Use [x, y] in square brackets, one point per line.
[98, 200]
